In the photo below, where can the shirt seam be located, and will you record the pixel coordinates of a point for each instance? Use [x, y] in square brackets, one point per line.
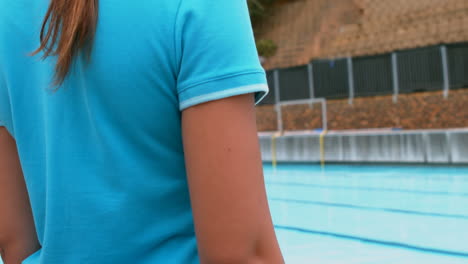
[220, 77]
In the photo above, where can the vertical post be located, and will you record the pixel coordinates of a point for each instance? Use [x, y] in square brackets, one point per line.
[350, 80]
[396, 82]
[279, 115]
[324, 115]
[445, 69]
[276, 86]
[277, 100]
[322, 148]
[310, 72]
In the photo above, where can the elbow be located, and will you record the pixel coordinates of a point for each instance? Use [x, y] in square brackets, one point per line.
[8, 240]
[231, 259]
[3, 244]
[230, 256]
[243, 251]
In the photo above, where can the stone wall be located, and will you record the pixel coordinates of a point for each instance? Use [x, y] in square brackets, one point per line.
[311, 29]
[412, 111]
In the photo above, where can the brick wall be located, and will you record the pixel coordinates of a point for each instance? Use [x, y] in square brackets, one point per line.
[309, 29]
[299, 28]
[266, 118]
[412, 111]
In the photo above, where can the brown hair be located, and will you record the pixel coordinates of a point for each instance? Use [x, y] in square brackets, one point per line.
[69, 26]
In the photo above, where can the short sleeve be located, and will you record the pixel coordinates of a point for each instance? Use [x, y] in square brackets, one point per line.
[216, 53]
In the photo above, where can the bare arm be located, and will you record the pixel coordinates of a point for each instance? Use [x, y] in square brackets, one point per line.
[231, 214]
[17, 233]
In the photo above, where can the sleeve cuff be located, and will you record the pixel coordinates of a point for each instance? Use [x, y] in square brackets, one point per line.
[224, 87]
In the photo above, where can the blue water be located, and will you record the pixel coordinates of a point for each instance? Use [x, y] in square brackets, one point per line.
[370, 214]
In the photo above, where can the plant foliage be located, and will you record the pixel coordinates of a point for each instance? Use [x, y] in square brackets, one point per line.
[258, 9]
[266, 48]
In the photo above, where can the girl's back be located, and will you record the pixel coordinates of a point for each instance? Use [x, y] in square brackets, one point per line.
[103, 155]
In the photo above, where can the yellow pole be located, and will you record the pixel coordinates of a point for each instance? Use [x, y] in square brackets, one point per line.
[273, 149]
[322, 148]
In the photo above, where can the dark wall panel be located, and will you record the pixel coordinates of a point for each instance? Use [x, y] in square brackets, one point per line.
[420, 70]
[458, 65]
[373, 75]
[330, 78]
[294, 83]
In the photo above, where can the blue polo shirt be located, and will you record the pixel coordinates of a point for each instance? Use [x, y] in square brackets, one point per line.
[102, 155]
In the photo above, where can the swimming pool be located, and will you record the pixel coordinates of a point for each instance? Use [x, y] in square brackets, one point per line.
[370, 214]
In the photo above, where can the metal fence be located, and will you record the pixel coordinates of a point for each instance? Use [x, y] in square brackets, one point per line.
[435, 68]
[330, 78]
[458, 64]
[373, 75]
[420, 70]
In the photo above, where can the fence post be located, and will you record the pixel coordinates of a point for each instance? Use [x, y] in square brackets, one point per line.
[324, 114]
[350, 80]
[310, 73]
[445, 69]
[396, 82]
[279, 115]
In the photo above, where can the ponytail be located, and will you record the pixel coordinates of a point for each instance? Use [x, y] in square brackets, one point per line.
[68, 27]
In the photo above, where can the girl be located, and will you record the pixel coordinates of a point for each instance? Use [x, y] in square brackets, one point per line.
[129, 136]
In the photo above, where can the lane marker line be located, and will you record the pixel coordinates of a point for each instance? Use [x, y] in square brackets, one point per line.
[376, 241]
[370, 208]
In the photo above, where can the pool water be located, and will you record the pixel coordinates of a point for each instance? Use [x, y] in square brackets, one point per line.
[370, 214]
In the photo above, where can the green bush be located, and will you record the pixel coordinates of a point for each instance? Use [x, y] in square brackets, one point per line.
[266, 48]
[258, 9]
